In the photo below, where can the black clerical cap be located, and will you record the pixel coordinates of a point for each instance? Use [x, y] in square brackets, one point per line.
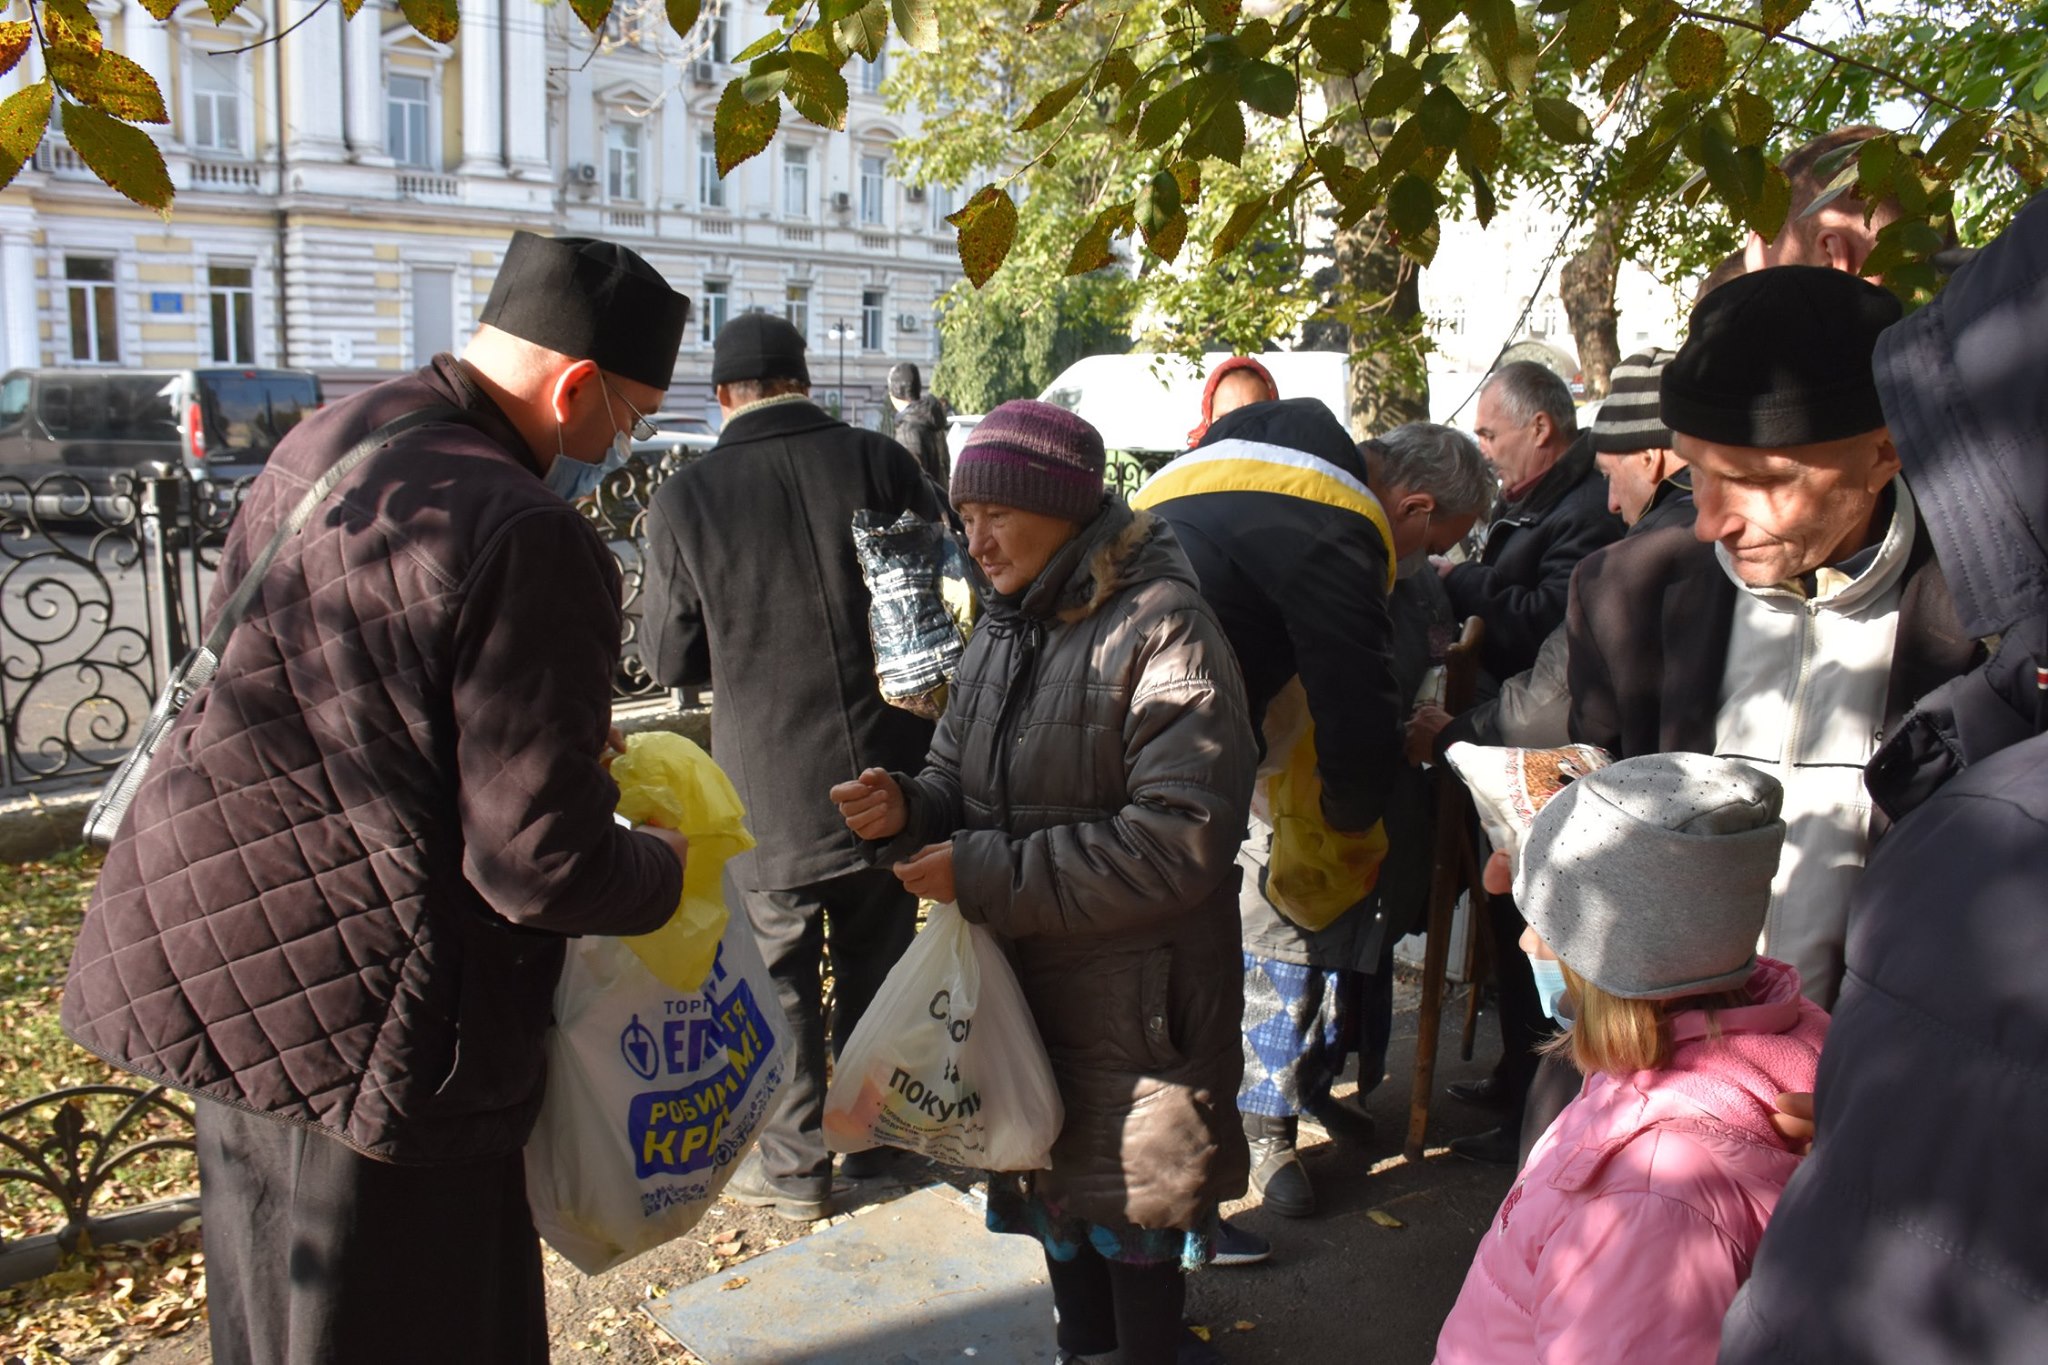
[1780, 357]
[758, 346]
[590, 300]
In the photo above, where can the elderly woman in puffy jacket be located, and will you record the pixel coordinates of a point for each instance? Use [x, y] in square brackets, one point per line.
[1084, 798]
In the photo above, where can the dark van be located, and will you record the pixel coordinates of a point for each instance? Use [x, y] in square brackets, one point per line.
[94, 425]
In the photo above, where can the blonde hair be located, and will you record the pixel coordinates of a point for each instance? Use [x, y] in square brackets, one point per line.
[1617, 1035]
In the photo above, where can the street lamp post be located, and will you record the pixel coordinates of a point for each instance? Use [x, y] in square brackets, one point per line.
[840, 332]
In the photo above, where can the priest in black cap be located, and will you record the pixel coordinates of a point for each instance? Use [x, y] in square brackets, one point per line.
[1803, 614]
[753, 587]
[336, 910]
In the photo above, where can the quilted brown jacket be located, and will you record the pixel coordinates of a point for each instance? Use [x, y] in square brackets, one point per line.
[340, 896]
[1093, 770]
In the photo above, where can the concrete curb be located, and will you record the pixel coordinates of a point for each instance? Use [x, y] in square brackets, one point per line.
[42, 823]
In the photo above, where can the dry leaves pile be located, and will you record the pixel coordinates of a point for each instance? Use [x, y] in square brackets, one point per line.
[97, 1307]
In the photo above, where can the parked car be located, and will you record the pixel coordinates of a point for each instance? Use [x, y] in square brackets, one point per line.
[679, 433]
[96, 426]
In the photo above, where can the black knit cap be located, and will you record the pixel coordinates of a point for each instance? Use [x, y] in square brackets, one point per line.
[1780, 357]
[758, 346]
[590, 299]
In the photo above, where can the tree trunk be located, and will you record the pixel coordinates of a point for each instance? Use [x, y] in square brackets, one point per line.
[1374, 311]
[1586, 288]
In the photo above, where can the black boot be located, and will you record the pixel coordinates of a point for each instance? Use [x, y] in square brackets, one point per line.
[1277, 1173]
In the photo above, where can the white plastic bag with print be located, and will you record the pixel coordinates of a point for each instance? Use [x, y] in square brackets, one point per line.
[654, 1095]
[947, 1061]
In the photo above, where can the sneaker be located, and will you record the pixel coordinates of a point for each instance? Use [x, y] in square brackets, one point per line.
[1238, 1246]
[1280, 1179]
[798, 1201]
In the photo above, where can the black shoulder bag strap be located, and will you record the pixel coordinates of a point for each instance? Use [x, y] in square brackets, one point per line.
[103, 821]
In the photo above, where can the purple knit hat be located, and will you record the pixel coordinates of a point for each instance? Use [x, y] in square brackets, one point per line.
[1035, 456]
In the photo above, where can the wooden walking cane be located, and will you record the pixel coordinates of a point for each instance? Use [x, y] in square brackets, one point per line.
[1447, 877]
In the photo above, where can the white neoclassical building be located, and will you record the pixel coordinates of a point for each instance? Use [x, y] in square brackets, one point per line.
[345, 191]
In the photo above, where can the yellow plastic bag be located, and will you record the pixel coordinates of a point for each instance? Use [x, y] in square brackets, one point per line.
[667, 780]
[1316, 873]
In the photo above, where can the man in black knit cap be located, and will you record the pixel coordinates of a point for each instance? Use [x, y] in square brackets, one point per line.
[1803, 615]
[753, 587]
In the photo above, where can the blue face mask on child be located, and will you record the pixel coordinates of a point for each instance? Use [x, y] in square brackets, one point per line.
[1549, 986]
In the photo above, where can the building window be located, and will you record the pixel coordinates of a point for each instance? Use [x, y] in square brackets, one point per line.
[796, 182]
[433, 314]
[796, 307]
[717, 305]
[872, 187]
[95, 325]
[942, 207]
[231, 290]
[710, 184]
[872, 302]
[874, 73]
[717, 51]
[407, 103]
[622, 161]
[216, 103]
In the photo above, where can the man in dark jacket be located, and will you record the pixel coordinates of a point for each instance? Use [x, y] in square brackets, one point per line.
[337, 907]
[1918, 1229]
[919, 424]
[1552, 513]
[753, 587]
[1804, 615]
[1294, 553]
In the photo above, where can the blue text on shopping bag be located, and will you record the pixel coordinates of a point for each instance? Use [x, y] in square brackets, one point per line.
[674, 1132]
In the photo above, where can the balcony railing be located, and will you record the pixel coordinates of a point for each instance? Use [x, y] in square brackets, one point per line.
[420, 185]
[232, 176]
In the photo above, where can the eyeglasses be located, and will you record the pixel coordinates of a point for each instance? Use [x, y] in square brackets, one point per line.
[643, 426]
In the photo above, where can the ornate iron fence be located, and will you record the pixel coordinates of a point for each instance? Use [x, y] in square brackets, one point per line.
[103, 579]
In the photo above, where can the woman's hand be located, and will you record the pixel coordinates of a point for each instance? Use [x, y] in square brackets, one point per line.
[1423, 727]
[1794, 1119]
[872, 805]
[929, 872]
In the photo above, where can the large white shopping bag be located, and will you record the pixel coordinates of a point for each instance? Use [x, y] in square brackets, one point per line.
[947, 1061]
[653, 1097]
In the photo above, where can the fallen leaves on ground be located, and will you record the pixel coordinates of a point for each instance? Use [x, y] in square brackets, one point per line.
[104, 1298]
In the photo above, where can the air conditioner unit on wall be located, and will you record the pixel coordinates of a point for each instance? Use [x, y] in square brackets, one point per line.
[842, 202]
[704, 71]
[906, 322]
[585, 174]
[914, 193]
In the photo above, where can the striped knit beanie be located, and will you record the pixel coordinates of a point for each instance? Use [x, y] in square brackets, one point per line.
[1628, 420]
[1033, 456]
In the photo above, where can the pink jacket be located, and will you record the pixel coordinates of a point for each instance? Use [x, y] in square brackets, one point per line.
[1641, 1207]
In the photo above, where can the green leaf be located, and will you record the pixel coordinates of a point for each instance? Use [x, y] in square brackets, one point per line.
[1397, 83]
[1752, 114]
[831, 12]
[221, 9]
[1338, 44]
[1220, 16]
[24, 116]
[161, 9]
[816, 89]
[682, 15]
[1234, 229]
[1256, 39]
[742, 128]
[592, 12]
[1165, 115]
[1048, 108]
[1119, 71]
[70, 23]
[918, 22]
[768, 42]
[1217, 131]
[1442, 116]
[1158, 201]
[1589, 33]
[348, 7]
[1169, 238]
[1772, 204]
[1561, 120]
[1353, 190]
[1432, 15]
[1483, 205]
[120, 154]
[436, 19]
[1188, 175]
[1959, 142]
[1780, 15]
[110, 83]
[820, 40]
[1697, 58]
[1635, 45]
[1400, 151]
[1268, 88]
[1479, 148]
[766, 78]
[1375, 18]
[1494, 22]
[1411, 211]
[866, 30]
[14, 40]
[1877, 169]
[988, 228]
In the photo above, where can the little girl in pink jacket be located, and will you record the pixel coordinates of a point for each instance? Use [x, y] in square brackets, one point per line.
[1634, 1223]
